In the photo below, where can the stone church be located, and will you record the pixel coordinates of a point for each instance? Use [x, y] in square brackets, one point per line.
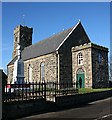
[68, 56]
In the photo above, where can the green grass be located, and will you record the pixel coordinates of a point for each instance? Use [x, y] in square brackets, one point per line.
[89, 90]
[80, 91]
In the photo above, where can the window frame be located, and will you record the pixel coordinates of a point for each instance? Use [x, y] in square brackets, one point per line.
[30, 75]
[80, 58]
[42, 71]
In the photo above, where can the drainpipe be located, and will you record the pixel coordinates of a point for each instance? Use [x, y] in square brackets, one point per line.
[58, 67]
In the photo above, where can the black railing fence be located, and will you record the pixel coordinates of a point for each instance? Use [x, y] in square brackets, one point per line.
[37, 90]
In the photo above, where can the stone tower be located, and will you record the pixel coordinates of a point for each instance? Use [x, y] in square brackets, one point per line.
[23, 37]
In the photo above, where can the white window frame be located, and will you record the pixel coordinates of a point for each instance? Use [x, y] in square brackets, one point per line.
[42, 67]
[30, 78]
[80, 58]
[30, 74]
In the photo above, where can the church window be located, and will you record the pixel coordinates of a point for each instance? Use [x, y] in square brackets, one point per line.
[30, 74]
[42, 72]
[80, 59]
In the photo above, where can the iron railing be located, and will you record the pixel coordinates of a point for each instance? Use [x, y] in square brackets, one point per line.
[37, 90]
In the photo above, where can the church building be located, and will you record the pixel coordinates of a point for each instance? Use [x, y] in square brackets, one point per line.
[68, 56]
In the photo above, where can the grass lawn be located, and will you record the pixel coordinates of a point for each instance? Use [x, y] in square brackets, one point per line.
[89, 90]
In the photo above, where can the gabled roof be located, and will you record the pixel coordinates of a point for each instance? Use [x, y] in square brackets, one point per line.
[47, 45]
[12, 61]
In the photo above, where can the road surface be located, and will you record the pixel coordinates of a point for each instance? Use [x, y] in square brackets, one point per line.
[98, 110]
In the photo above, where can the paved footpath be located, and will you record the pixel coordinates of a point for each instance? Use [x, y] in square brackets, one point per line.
[98, 110]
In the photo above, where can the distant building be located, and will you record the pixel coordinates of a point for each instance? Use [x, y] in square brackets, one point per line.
[3, 76]
[68, 56]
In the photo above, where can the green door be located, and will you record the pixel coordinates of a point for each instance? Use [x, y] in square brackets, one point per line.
[80, 80]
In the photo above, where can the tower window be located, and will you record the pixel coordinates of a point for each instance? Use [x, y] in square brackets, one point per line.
[16, 39]
[80, 59]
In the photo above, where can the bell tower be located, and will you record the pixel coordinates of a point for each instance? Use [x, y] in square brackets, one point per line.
[23, 37]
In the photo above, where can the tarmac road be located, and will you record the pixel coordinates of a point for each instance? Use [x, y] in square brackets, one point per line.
[98, 110]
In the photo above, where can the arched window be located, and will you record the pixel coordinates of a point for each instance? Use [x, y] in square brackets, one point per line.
[42, 71]
[30, 74]
[80, 59]
[16, 38]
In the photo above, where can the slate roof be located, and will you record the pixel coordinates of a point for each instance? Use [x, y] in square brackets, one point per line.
[45, 46]
[12, 61]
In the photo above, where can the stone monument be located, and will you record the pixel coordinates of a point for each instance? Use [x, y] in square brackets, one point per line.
[18, 73]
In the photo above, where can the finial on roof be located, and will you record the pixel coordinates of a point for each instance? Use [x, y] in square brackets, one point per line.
[79, 20]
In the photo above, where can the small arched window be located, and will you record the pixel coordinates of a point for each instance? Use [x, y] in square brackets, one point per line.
[42, 71]
[80, 59]
[30, 74]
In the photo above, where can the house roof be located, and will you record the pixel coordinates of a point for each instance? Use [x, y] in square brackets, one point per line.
[47, 45]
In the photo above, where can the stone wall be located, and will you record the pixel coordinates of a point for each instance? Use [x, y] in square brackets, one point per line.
[96, 74]
[23, 36]
[100, 70]
[65, 68]
[50, 62]
[10, 73]
[86, 66]
[81, 99]
[77, 38]
[19, 109]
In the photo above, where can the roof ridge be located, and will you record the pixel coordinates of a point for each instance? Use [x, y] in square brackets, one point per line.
[49, 37]
[47, 45]
[69, 34]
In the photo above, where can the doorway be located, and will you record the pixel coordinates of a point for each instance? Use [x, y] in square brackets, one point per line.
[80, 82]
